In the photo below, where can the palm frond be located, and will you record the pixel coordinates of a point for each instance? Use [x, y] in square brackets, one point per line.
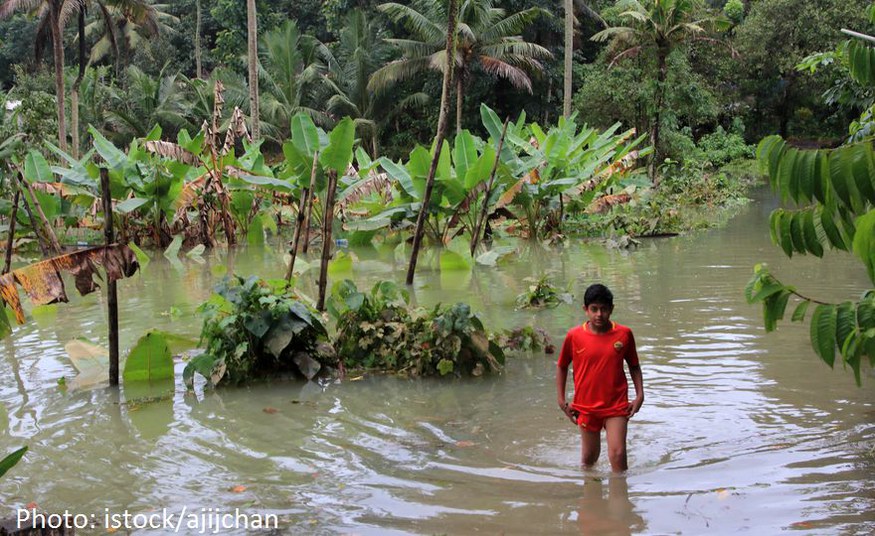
[11, 7]
[417, 23]
[395, 71]
[516, 76]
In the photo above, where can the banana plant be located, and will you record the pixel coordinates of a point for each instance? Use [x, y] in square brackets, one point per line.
[566, 161]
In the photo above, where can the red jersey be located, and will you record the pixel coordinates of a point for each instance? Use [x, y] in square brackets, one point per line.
[600, 385]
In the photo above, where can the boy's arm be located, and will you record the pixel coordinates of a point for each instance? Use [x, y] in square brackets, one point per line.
[562, 377]
[638, 382]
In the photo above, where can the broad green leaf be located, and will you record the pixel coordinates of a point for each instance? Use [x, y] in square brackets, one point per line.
[464, 155]
[207, 366]
[846, 321]
[154, 134]
[50, 204]
[823, 332]
[282, 332]
[172, 251]
[255, 234]
[142, 258]
[799, 313]
[149, 360]
[114, 157]
[129, 205]
[36, 169]
[305, 135]
[809, 232]
[269, 183]
[445, 167]
[864, 242]
[830, 229]
[797, 235]
[400, 174]
[338, 154]
[785, 233]
[773, 309]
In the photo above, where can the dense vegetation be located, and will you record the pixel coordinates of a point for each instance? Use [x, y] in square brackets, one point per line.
[217, 121]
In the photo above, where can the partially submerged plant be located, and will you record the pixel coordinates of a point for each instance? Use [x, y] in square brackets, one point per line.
[255, 328]
[9, 461]
[542, 294]
[380, 330]
[526, 339]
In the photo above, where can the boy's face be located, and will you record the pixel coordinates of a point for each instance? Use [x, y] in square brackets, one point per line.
[599, 315]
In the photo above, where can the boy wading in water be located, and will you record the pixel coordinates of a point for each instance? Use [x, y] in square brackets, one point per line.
[596, 351]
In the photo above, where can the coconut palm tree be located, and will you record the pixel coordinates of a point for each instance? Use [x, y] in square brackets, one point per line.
[486, 38]
[252, 61]
[361, 51]
[656, 27]
[126, 25]
[51, 14]
[145, 102]
[293, 72]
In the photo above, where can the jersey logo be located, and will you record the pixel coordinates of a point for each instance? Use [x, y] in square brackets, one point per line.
[618, 346]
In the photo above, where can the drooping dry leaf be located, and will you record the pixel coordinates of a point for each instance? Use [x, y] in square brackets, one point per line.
[42, 280]
[172, 150]
[602, 204]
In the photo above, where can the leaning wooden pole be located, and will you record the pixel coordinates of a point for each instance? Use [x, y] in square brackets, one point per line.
[307, 217]
[484, 208]
[111, 289]
[40, 240]
[47, 227]
[305, 200]
[327, 220]
[8, 264]
[438, 139]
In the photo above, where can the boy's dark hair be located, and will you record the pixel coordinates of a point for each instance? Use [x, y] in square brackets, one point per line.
[598, 293]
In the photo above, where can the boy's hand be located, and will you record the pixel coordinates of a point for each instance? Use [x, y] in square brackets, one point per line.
[570, 413]
[635, 405]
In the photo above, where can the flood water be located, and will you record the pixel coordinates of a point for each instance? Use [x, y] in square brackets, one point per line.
[741, 431]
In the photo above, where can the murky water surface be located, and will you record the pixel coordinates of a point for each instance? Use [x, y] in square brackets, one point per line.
[741, 432]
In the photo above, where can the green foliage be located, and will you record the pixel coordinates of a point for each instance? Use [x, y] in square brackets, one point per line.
[734, 11]
[847, 329]
[835, 192]
[255, 329]
[9, 461]
[721, 147]
[526, 339]
[379, 330]
[542, 294]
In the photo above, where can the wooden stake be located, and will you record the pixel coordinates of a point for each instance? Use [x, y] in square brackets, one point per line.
[40, 239]
[307, 217]
[9, 240]
[327, 220]
[50, 233]
[484, 209]
[305, 200]
[111, 289]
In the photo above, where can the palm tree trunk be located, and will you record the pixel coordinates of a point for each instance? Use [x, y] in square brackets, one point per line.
[438, 140]
[459, 100]
[662, 54]
[252, 30]
[58, 49]
[569, 52]
[74, 93]
[197, 40]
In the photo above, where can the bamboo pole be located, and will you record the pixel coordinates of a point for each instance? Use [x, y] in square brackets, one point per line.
[484, 208]
[327, 220]
[438, 139]
[111, 288]
[40, 239]
[307, 217]
[50, 233]
[8, 264]
[305, 199]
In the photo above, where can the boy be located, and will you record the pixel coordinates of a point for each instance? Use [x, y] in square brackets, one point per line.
[596, 351]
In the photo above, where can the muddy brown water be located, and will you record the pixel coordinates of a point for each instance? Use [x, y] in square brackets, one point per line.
[741, 431]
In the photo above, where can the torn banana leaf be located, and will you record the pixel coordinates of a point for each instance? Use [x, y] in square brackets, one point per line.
[42, 280]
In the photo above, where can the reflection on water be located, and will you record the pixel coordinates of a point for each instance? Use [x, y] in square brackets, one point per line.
[741, 431]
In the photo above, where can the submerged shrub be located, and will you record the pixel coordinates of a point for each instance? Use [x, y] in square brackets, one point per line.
[380, 330]
[541, 293]
[254, 329]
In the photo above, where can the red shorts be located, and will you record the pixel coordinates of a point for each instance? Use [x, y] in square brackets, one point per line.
[593, 423]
